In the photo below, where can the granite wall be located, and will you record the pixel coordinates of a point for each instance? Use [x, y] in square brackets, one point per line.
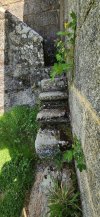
[16, 7]
[21, 62]
[2, 47]
[84, 99]
[41, 15]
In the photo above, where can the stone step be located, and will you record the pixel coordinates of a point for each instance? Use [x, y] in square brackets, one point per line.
[58, 115]
[46, 177]
[48, 143]
[53, 85]
[52, 96]
[54, 104]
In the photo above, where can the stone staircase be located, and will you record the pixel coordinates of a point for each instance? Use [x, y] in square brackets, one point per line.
[52, 138]
[53, 117]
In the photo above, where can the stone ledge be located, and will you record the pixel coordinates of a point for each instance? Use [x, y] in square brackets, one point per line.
[54, 95]
[51, 85]
[53, 116]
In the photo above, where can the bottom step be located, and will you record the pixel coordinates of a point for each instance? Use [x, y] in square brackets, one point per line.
[48, 143]
[46, 175]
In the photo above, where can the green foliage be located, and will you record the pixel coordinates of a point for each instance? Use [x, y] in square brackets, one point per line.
[17, 158]
[64, 202]
[65, 53]
[15, 179]
[58, 160]
[76, 153]
[18, 129]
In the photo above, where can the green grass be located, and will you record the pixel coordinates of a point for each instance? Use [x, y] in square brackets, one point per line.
[17, 158]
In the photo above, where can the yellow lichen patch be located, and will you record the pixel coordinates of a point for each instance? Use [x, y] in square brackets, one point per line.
[87, 104]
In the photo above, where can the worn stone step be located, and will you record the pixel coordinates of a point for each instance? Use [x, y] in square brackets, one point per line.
[58, 115]
[46, 176]
[54, 95]
[53, 85]
[48, 143]
[54, 104]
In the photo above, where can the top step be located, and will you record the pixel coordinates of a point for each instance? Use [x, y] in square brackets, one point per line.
[53, 85]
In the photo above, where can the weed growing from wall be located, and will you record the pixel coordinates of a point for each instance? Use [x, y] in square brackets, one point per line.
[65, 48]
[77, 154]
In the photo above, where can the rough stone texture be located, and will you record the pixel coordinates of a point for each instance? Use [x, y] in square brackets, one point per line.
[45, 175]
[42, 13]
[53, 85]
[42, 16]
[53, 95]
[84, 100]
[55, 104]
[2, 42]
[36, 14]
[47, 143]
[53, 115]
[16, 7]
[21, 62]
[87, 74]
[86, 125]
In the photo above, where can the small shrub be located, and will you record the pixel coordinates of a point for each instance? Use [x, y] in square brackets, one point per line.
[76, 153]
[64, 202]
[65, 48]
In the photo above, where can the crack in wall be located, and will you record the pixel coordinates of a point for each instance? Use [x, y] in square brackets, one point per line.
[89, 9]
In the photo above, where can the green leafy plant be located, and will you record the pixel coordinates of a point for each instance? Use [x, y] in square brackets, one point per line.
[64, 202]
[65, 48]
[76, 153]
[18, 129]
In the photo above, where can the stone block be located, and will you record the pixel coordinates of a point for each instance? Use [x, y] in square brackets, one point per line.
[16, 8]
[46, 18]
[40, 5]
[87, 75]
[5, 2]
[84, 8]
[47, 143]
[23, 97]
[86, 126]
[53, 95]
[45, 175]
[57, 115]
[55, 85]
[48, 31]
[2, 57]
[2, 13]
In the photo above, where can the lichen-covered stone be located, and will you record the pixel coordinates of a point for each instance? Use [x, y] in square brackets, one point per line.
[57, 115]
[46, 176]
[84, 99]
[53, 95]
[53, 85]
[47, 143]
[21, 62]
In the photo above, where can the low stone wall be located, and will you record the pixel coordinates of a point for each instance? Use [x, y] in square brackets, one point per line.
[22, 62]
[84, 99]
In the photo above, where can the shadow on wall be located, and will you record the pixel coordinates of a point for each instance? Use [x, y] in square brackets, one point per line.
[43, 16]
